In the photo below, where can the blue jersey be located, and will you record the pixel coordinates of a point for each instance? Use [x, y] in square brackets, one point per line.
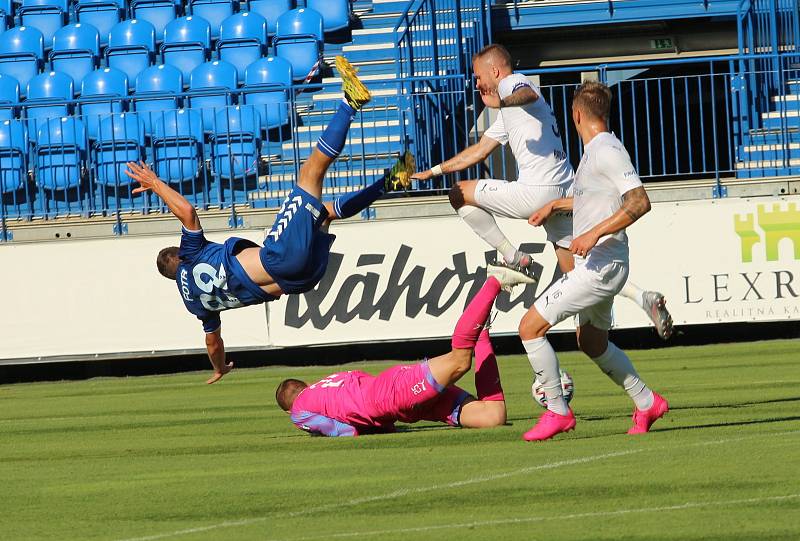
[210, 278]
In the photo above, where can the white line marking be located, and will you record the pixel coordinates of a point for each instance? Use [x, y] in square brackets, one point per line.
[406, 491]
[525, 520]
[391, 495]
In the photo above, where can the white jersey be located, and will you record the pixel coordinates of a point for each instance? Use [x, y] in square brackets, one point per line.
[603, 177]
[533, 134]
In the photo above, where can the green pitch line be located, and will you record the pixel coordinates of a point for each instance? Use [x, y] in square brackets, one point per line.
[168, 457]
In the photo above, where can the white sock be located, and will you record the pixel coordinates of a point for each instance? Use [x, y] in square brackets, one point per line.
[485, 226]
[545, 366]
[619, 368]
[633, 292]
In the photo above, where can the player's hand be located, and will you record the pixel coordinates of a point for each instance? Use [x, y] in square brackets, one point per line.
[422, 175]
[583, 244]
[227, 367]
[540, 216]
[145, 176]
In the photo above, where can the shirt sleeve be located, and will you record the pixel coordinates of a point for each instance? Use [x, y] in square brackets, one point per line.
[320, 425]
[192, 243]
[497, 130]
[211, 322]
[619, 169]
[512, 83]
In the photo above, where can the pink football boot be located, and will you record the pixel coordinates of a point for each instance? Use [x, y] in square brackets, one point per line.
[643, 420]
[550, 424]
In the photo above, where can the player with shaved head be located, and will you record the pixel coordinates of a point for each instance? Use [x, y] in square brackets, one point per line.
[527, 124]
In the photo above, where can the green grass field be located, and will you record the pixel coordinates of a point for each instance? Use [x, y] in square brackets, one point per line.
[168, 457]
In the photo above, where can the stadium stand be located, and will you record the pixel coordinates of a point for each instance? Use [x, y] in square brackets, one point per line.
[416, 58]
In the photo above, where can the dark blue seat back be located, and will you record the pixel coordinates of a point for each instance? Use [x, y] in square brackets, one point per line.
[13, 153]
[157, 12]
[76, 48]
[102, 14]
[243, 40]
[187, 41]
[157, 88]
[298, 39]
[236, 143]
[266, 86]
[108, 83]
[335, 13]
[120, 139]
[214, 11]
[21, 53]
[177, 138]
[47, 94]
[271, 10]
[9, 96]
[131, 46]
[210, 85]
[45, 15]
[61, 143]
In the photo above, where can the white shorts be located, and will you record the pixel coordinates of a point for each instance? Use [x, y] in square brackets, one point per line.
[519, 200]
[586, 292]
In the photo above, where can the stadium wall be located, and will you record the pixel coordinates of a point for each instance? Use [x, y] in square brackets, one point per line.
[717, 261]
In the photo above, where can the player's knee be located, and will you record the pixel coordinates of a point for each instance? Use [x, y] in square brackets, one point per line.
[456, 195]
[532, 326]
[496, 416]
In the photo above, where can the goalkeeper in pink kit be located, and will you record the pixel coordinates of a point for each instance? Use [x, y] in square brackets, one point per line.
[356, 403]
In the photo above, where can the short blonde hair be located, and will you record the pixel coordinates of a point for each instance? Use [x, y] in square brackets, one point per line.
[495, 49]
[593, 98]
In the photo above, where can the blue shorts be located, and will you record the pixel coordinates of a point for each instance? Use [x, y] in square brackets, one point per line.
[295, 252]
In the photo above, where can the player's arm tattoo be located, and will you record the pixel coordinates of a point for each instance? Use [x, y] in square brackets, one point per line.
[520, 97]
[635, 203]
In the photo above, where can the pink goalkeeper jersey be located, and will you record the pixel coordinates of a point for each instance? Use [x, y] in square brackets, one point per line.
[338, 406]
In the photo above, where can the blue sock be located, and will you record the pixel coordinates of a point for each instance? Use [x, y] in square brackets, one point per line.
[353, 203]
[332, 141]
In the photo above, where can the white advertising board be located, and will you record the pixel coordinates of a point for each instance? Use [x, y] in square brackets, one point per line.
[716, 261]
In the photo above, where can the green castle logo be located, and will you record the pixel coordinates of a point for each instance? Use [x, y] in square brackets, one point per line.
[776, 225]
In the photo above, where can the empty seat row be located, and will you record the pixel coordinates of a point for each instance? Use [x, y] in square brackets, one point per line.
[50, 15]
[186, 44]
[62, 151]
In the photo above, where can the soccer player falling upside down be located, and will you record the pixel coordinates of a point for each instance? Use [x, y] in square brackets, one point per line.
[214, 277]
[608, 197]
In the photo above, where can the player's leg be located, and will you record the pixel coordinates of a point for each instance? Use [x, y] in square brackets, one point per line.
[332, 141]
[593, 340]
[654, 305]
[490, 407]
[462, 199]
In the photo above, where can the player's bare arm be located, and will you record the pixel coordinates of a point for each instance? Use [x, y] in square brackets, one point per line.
[635, 204]
[180, 207]
[216, 353]
[522, 96]
[464, 159]
[558, 205]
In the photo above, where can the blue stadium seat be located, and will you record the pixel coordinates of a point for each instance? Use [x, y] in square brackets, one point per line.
[298, 39]
[242, 40]
[47, 97]
[214, 11]
[102, 14]
[157, 12]
[120, 140]
[9, 96]
[266, 86]
[13, 154]
[271, 10]
[131, 47]
[187, 41]
[47, 16]
[211, 85]
[21, 53]
[177, 143]
[102, 92]
[76, 48]
[157, 90]
[236, 143]
[60, 149]
[335, 13]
